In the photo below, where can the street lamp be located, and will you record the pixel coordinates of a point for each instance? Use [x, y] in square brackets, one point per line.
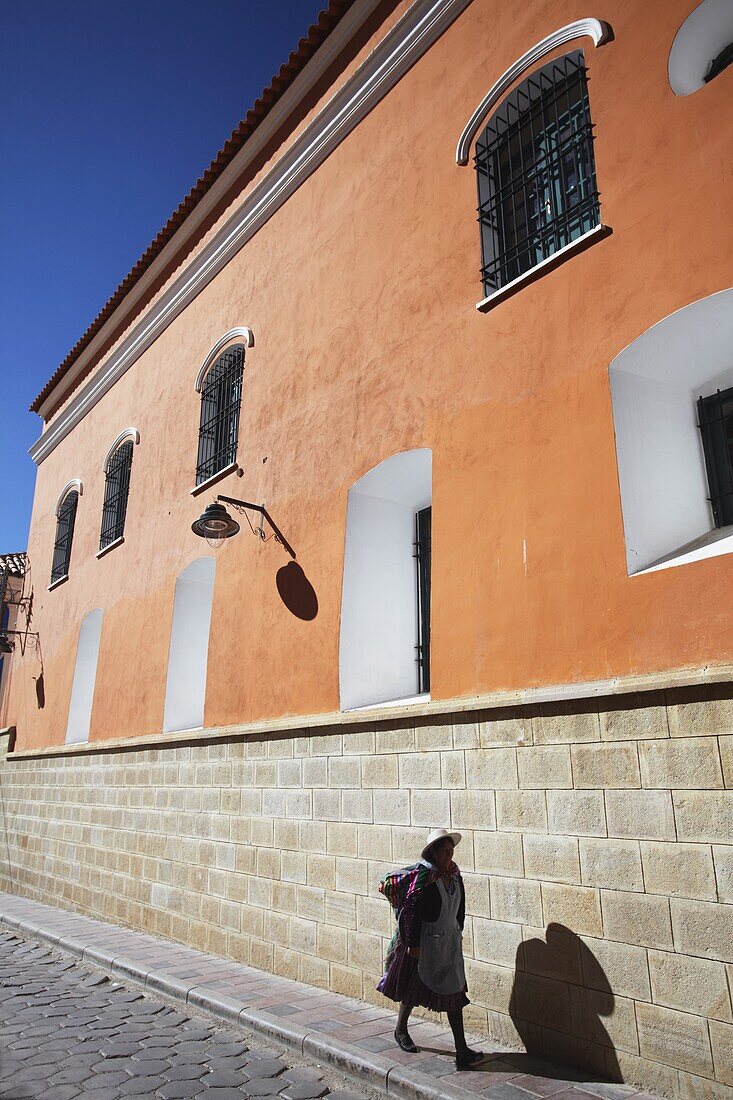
[215, 524]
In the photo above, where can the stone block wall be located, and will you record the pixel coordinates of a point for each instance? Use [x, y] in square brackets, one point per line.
[597, 854]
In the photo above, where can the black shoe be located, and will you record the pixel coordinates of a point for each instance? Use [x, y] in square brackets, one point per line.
[469, 1058]
[404, 1042]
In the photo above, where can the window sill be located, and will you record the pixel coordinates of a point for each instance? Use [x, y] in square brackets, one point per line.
[406, 701]
[712, 545]
[218, 476]
[117, 542]
[536, 272]
[56, 583]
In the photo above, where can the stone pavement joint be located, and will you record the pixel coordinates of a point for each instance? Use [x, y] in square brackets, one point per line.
[330, 1029]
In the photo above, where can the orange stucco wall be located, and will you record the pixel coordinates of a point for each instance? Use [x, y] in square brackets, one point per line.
[361, 294]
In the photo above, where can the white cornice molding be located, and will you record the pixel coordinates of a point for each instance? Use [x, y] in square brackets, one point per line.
[305, 81]
[592, 28]
[75, 483]
[242, 333]
[129, 433]
[398, 51]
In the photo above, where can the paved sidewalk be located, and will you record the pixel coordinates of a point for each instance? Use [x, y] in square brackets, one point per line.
[352, 1037]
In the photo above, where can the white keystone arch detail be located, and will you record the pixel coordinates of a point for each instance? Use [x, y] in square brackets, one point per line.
[244, 334]
[75, 483]
[129, 433]
[595, 29]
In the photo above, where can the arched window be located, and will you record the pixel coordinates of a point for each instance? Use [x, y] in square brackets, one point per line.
[221, 397]
[65, 520]
[384, 649]
[536, 173]
[117, 488]
[185, 691]
[85, 674]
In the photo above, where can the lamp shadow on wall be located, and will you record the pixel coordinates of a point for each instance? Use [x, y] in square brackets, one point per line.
[559, 999]
[296, 591]
[40, 691]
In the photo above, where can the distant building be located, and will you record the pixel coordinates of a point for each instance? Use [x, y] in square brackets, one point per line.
[12, 573]
[500, 447]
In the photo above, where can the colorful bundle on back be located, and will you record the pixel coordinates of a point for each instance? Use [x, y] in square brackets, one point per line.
[399, 886]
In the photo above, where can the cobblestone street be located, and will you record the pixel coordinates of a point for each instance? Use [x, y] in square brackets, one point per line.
[67, 1030]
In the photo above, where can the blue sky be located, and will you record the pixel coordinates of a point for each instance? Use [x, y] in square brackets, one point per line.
[111, 111]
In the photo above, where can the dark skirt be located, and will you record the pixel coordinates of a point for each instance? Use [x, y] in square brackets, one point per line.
[401, 982]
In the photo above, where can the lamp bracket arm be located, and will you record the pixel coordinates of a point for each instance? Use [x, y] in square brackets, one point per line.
[242, 504]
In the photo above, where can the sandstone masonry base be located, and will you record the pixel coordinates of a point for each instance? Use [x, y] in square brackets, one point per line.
[597, 853]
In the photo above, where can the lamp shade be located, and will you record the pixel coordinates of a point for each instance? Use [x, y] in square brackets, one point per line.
[215, 523]
[6, 646]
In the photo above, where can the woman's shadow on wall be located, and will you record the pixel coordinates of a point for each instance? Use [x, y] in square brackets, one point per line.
[558, 1002]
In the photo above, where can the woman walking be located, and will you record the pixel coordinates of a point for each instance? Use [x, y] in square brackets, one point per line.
[424, 964]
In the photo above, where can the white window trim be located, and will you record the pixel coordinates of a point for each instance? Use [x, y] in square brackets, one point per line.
[218, 476]
[598, 232]
[112, 545]
[76, 484]
[57, 582]
[713, 544]
[234, 336]
[129, 433]
[405, 701]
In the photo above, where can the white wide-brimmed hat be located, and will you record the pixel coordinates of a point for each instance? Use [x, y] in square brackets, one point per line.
[440, 834]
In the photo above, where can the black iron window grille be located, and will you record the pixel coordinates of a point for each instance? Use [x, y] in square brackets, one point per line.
[715, 419]
[221, 397]
[536, 172]
[65, 521]
[116, 491]
[423, 523]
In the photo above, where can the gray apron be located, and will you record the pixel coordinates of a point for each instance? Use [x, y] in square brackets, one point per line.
[440, 963]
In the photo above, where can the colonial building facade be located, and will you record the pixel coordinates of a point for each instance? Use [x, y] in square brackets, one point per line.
[393, 489]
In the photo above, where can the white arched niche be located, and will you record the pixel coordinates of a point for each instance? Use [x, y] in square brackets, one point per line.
[655, 384]
[377, 655]
[85, 675]
[185, 690]
[707, 30]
